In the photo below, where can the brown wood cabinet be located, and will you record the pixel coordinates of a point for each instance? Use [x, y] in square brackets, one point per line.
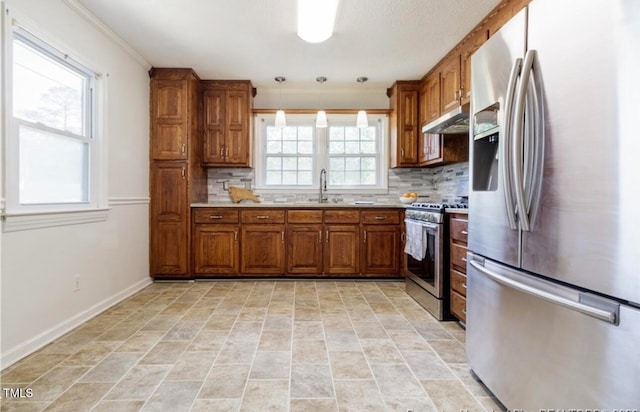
[431, 98]
[311, 242]
[342, 241]
[305, 248]
[176, 178]
[216, 249]
[404, 123]
[263, 241]
[169, 119]
[381, 242]
[342, 249]
[216, 242]
[227, 123]
[468, 47]
[450, 83]
[498, 17]
[442, 149]
[458, 224]
[263, 249]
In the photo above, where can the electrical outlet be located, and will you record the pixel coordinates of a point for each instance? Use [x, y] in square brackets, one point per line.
[76, 283]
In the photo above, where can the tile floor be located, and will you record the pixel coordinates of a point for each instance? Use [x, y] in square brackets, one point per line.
[255, 346]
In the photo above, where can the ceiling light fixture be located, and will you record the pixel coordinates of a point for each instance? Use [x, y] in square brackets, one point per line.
[280, 119]
[361, 120]
[316, 19]
[321, 119]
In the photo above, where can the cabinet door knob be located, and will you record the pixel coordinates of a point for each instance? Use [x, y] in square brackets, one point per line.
[215, 217]
[235, 236]
[262, 217]
[319, 236]
[464, 232]
[184, 172]
[226, 152]
[326, 233]
[380, 217]
[183, 149]
[221, 151]
[282, 236]
[365, 236]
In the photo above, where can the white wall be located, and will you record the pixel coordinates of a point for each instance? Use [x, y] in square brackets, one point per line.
[38, 266]
[329, 98]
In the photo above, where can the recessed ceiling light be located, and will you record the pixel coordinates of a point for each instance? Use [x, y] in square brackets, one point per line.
[316, 19]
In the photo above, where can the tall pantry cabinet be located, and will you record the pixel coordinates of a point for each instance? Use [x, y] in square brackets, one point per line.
[177, 178]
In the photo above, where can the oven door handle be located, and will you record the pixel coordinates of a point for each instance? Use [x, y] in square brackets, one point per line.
[428, 225]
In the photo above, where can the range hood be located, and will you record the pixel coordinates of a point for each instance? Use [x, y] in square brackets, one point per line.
[454, 122]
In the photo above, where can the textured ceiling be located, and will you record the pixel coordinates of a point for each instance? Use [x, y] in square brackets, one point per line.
[386, 40]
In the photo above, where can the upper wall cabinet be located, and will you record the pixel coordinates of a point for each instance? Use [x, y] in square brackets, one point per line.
[430, 98]
[450, 83]
[470, 45]
[498, 17]
[227, 123]
[404, 123]
[169, 106]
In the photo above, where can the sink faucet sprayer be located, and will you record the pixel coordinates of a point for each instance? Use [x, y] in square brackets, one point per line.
[323, 185]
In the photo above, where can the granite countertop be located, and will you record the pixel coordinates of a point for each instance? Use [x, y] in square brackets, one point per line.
[302, 205]
[456, 210]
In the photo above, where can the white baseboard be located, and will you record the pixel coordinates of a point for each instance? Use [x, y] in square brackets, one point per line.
[16, 353]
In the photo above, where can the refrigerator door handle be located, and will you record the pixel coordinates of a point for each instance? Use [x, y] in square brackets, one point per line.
[534, 146]
[603, 314]
[517, 161]
[506, 146]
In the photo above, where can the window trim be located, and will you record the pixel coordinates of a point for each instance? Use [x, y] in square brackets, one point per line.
[18, 216]
[321, 157]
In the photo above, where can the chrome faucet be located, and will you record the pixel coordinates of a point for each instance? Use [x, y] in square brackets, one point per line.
[323, 186]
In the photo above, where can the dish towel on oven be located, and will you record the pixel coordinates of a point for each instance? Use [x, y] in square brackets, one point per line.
[416, 244]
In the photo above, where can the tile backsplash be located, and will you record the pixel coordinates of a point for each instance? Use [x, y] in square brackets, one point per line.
[440, 184]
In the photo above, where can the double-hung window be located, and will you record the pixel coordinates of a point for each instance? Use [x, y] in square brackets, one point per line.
[53, 149]
[291, 158]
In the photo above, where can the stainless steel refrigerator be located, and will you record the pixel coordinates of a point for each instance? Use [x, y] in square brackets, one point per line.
[553, 310]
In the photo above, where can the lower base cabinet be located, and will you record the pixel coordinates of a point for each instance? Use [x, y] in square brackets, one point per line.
[342, 250]
[168, 259]
[263, 249]
[304, 249]
[259, 242]
[216, 249]
[381, 249]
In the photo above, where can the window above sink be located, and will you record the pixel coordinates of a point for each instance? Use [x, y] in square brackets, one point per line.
[290, 158]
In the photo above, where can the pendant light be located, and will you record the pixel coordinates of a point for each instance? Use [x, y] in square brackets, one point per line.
[280, 119]
[321, 119]
[361, 120]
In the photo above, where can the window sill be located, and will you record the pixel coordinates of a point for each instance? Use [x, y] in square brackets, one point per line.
[14, 222]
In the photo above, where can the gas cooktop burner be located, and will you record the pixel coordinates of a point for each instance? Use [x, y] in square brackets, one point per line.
[438, 206]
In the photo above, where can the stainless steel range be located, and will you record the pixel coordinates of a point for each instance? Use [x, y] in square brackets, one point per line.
[425, 253]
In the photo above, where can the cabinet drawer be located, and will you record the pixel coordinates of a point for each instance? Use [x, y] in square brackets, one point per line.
[458, 282]
[262, 216]
[304, 216]
[458, 229]
[458, 306]
[380, 217]
[341, 216]
[215, 216]
[459, 257]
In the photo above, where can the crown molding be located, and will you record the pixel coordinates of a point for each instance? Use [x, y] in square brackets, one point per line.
[86, 14]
